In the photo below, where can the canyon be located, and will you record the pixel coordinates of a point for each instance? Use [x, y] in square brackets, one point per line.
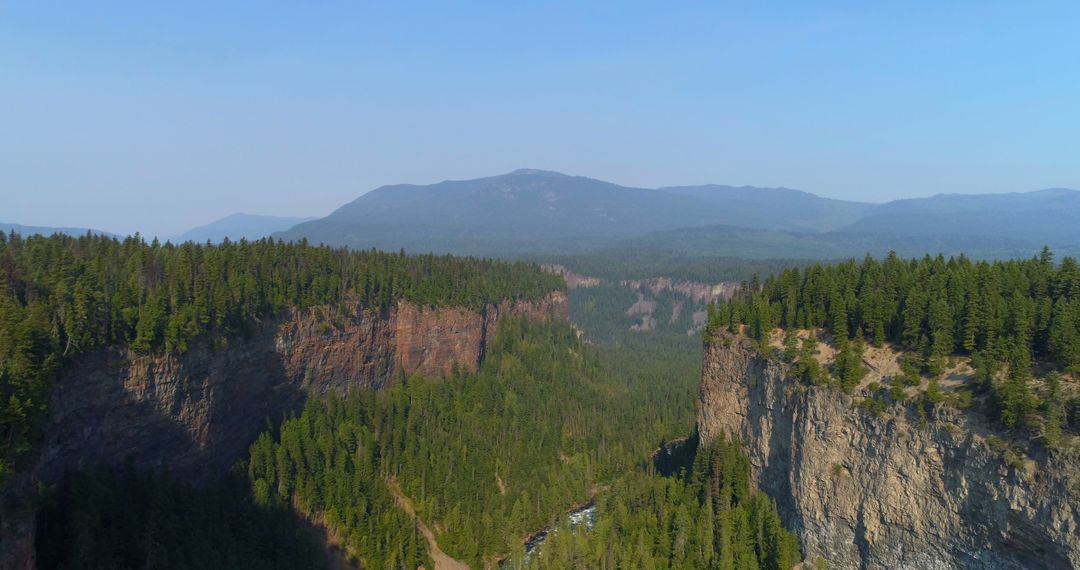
[889, 491]
[196, 412]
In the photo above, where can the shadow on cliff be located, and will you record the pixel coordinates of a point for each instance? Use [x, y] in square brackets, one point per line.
[780, 433]
[676, 456]
[132, 519]
[194, 413]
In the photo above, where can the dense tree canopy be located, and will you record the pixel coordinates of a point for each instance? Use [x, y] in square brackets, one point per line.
[62, 295]
[1005, 315]
[488, 457]
[617, 264]
[708, 518]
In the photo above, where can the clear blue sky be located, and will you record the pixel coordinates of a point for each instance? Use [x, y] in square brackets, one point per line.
[136, 116]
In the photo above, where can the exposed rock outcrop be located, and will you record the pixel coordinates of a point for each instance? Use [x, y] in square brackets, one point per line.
[573, 280]
[196, 412]
[696, 290]
[885, 492]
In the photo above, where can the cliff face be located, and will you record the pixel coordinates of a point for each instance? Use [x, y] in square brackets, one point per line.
[696, 290]
[196, 412]
[883, 492]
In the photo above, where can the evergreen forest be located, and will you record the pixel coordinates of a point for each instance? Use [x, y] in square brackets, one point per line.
[61, 296]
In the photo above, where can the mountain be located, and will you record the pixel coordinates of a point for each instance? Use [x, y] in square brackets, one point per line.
[1051, 215]
[47, 231]
[240, 226]
[530, 211]
[747, 243]
[775, 208]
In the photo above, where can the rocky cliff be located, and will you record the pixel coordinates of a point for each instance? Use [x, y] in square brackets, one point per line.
[867, 491]
[196, 412]
[696, 290]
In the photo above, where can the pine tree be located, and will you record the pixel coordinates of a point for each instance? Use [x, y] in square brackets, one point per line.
[1053, 410]
[1014, 395]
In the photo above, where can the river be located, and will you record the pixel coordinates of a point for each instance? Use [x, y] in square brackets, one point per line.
[575, 518]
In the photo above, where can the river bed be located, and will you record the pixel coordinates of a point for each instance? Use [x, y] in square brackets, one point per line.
[574, 519]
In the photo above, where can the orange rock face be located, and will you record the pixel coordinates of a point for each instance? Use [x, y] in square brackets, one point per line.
[196, 412]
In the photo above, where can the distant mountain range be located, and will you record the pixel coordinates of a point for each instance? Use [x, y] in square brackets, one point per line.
[240, 226]
[48, 231]
[535, 212]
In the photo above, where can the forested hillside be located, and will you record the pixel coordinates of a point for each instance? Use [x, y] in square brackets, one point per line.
[487, 458]
[1005, 316]
[622, 263]
[708, 517]
[61, 296]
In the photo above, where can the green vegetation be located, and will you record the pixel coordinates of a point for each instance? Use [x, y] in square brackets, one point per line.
[709, 518]
[488, 457]
[623, 263]
[1004, 314]
[601, 311]
[102, 520]
[60, 296]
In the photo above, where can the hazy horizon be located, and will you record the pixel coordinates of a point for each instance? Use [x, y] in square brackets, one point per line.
[130, 117]
[197, 224]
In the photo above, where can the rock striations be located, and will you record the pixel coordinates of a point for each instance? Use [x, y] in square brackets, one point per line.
[886, 492]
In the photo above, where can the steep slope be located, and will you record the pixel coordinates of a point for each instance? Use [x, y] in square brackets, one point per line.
[240, 226]
[883, 492]
[195, 413]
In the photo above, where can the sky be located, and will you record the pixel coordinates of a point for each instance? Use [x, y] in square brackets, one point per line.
[156, 117]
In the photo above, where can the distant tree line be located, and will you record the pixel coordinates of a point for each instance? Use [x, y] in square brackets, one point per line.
[1004, 314]
[63, 295]
[623, 263]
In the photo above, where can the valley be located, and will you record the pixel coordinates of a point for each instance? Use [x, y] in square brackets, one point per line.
[539, 286]
[514, 426]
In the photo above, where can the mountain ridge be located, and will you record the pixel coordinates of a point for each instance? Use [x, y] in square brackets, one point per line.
[533, 211]
[240, 226]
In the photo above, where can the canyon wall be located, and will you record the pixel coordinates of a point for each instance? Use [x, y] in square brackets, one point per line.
[886, 491]
[696, 290]
[196, 412]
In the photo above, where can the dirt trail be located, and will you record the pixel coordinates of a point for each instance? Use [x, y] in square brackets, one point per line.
[442, 560]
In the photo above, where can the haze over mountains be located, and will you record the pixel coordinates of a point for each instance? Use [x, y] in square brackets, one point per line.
[240, 226]
[535, 211]
[47, 230]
